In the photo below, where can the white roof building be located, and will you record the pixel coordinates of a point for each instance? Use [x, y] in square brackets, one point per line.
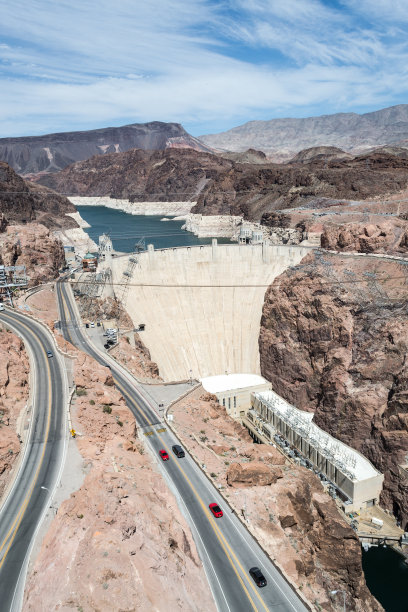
[233, 391]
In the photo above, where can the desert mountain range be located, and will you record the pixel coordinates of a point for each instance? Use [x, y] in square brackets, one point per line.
[279, 139]
[282, 138]
[52, 152]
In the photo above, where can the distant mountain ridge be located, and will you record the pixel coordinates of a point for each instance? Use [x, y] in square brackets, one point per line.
[53, 152]
[283, 138]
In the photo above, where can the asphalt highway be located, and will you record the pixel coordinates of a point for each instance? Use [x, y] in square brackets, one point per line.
[37, 476]
[226, 549]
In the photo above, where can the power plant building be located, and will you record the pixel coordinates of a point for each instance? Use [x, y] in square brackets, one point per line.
[233, 391]
[355, 478]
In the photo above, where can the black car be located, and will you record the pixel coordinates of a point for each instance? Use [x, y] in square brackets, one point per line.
[258, 576]
[106, 345]
[49, 354]
[177, 450]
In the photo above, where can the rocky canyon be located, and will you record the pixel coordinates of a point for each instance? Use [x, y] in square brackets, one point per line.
[333, 340]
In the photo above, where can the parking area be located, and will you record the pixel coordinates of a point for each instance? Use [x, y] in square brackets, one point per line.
[104, 336]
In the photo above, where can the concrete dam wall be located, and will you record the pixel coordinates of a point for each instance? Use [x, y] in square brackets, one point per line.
[201, 305]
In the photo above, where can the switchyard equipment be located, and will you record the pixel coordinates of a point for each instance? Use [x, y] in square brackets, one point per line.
[11, 278]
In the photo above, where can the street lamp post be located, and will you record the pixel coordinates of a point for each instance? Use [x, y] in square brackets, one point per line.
[344, 597]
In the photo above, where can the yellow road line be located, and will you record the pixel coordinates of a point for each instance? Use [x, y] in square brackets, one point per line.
[66, 320]
[20, 514]
[221, 539]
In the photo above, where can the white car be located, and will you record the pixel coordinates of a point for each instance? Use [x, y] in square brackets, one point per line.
[92, 324]
[1, 307]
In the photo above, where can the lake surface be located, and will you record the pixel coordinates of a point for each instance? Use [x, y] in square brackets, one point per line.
[386, 576]
[126, 230]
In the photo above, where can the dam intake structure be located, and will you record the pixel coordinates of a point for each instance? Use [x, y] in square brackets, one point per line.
[202, 305]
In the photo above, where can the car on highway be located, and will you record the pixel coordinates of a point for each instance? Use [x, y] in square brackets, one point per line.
[258, 576]
[216, 510]
[49, 354]
[177, 450]
[163, 454]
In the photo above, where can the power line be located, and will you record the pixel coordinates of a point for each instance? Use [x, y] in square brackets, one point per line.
[246, 285]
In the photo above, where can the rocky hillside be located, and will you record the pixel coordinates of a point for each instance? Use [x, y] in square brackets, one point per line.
[285, 137]
[252, 191]
[334, 340]
[52, 152]
[226, 187]
[137, 175]
[24, 202]
[35, 247]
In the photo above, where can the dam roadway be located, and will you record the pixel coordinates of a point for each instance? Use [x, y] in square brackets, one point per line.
[29, 496]
[226, 548]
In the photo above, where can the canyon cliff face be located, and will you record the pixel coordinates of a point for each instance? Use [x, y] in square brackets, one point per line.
[25, 202]
[334, 341]
[34, 247]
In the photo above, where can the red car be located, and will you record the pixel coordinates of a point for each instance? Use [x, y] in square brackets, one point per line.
[163, 454]
[216, 510]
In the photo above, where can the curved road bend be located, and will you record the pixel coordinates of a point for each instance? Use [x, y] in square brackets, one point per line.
[225, 547]
[30, 494]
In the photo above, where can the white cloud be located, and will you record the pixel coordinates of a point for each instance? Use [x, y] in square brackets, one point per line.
[70, 65]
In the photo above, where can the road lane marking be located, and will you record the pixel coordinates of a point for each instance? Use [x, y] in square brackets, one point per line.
[161, 430]
[20, 514]
[221, 539]
[217, 533]
[149, 433]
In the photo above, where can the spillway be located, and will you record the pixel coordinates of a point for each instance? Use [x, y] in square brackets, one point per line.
[201, 305]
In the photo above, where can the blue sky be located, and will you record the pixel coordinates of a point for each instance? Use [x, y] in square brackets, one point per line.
[70, 65]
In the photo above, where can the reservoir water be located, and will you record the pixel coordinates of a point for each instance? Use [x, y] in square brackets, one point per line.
[386, 575]
[125, 230]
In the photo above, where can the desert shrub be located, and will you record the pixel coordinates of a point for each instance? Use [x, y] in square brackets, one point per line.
[81, 391]
[107, 409]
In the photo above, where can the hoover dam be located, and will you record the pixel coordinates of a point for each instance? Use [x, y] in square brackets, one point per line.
[201, 306]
